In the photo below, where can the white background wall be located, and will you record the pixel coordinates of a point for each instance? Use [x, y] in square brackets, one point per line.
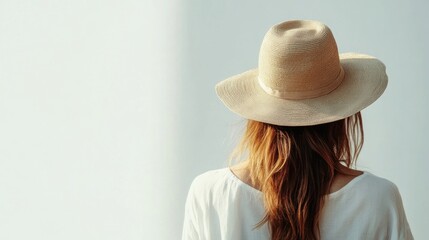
[108, 110]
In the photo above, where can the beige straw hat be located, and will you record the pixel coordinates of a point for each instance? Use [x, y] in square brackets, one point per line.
[302, 80]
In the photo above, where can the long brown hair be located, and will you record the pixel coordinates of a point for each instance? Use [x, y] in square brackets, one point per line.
[294, 168]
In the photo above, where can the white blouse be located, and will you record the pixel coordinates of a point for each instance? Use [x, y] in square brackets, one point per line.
[220, 206]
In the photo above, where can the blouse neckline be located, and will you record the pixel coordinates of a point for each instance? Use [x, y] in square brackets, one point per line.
[345, 188]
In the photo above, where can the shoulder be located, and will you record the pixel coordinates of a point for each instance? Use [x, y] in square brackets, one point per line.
[370, 188]
[208, 182]
[209, 178]
[382, 195]
[369, 205]
[378, 185]
[198, 203]
[388, 207]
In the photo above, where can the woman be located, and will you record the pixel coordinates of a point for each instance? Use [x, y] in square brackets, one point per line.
[304, 133]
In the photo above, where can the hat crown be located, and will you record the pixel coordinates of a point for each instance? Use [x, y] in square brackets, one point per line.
[299, 60]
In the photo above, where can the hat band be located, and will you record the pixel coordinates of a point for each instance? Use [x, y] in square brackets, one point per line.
[295, 95]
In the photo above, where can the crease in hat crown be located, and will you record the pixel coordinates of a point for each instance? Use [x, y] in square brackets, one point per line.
[299, 60]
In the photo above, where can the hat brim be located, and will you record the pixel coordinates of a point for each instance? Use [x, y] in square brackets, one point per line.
[364, 82]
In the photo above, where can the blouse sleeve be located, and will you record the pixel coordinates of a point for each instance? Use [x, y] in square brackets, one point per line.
[190, 224]
[399, 227]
